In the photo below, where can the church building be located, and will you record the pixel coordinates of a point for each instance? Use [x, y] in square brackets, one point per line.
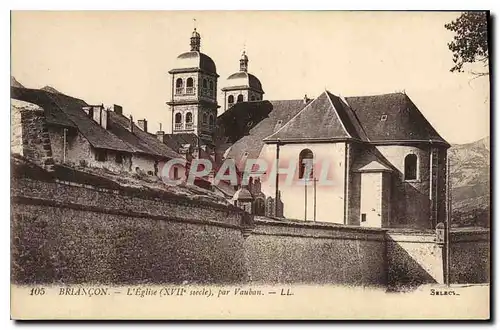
[384, 162]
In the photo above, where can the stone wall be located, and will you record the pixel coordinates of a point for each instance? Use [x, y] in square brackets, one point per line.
[68, 232]
[307, 252]
[470, 256]
[29, 136]
[414, 258]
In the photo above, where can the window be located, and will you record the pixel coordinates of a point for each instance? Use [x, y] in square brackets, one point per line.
[252, 98]
[189, 86]
[230, 100]
[363, 217]
[119, 158]
[176, 173]
[240, 98]
[205, 84]
[100, 155]
[211, 121]
[383, 118]
[205, 118]
[411, 167]
[189, 120]
[212, 89]
[178, 121]
[179, 86]
[306, 159]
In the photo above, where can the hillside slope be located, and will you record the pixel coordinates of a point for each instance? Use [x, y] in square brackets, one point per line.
[470, 183]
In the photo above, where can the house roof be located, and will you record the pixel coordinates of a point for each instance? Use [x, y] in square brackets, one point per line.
[97, 136]
[391, 118]
[138, 140]
[53, 114]
[176, 141]
[65, 110]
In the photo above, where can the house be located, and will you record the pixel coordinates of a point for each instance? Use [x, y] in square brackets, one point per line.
[92, 135]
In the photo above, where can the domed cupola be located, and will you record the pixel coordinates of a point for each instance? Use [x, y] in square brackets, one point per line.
[195, 60]
[242, 86]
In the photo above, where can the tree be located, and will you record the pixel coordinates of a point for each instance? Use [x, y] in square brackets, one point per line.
[470, 44]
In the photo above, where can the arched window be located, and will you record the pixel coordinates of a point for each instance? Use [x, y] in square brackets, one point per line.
[205, 84]
[230, 100]
[240, 98]
[189, 117]
[211, 121]
[189, 86]
[252, 98]
[178, 121]
[212, 86]
[178, 118]
[205, 118]
[411, 167]
[178, 86]
[306, 158]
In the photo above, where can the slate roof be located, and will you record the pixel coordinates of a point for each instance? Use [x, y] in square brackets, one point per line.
[97, 136]
[53, 114]
[404, 122]
[138, 140]
[379, 119]
[175, 141]
[61, 109]
[319, 120]
[266, 118]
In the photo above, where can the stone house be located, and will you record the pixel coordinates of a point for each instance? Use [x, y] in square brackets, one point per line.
[95, 136]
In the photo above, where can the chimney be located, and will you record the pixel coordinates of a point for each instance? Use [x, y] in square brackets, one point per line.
[131, 124]
[104, 118]
[306, 99]
[143, 124]
[160, 135]
[118, 109]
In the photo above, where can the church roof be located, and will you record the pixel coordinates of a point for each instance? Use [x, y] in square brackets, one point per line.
[242, 79]
[386, 119]
[246, 124]
[194, 60]
[392, 117]
[318, 121]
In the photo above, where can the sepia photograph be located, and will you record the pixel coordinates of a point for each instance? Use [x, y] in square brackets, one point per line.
[260, 165]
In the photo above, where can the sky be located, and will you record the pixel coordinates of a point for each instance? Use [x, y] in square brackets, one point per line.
[124, 58]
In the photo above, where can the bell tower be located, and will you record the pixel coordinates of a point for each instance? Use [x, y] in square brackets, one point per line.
[193, 103]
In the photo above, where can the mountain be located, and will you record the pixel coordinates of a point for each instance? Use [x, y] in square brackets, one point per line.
[470, 183]
[15, 83]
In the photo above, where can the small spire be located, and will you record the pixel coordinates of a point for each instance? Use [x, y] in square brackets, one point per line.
[244, 62]
[195, 39]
